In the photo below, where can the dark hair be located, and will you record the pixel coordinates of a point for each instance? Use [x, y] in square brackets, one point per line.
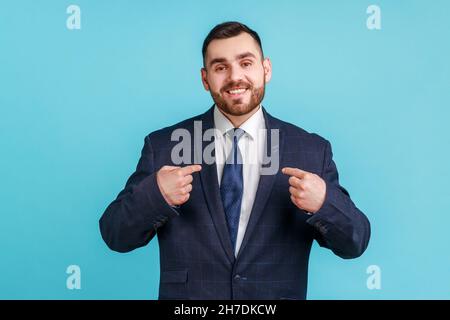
[227, 30]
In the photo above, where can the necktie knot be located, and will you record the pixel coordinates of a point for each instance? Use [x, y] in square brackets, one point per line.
[235, 155]
[236, 133]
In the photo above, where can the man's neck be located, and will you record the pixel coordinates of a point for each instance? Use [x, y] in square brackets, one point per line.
[237, 121]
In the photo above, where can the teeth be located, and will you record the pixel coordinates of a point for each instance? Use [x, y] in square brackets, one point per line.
[237, 91]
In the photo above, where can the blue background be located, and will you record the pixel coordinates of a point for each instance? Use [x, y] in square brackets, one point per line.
[76, 105]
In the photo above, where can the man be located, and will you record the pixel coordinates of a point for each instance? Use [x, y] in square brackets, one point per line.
[231, 228]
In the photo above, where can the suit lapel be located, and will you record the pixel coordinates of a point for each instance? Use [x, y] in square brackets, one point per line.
[210, 186]
[265, 181]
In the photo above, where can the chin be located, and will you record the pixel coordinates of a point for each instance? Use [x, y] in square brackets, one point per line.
[240, 109]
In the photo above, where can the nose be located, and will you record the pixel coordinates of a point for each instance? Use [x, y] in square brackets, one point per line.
[236, 74]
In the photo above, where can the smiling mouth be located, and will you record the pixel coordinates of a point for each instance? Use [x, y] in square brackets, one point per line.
[236, 92]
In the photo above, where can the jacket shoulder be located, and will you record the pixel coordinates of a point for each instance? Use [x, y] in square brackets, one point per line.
[292, 131]
[162, 136]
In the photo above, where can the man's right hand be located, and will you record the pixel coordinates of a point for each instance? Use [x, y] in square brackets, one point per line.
[175, 183]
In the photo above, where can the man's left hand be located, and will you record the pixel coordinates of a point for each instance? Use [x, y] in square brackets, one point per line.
[307, 189]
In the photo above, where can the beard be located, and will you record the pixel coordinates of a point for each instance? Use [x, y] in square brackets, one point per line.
[237, 106]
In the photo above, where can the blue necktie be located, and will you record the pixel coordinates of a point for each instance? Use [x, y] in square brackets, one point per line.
[232, 186]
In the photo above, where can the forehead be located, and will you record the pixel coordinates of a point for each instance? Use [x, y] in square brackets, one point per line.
[231, 47]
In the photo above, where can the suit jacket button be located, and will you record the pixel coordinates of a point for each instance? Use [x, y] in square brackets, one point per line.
[237, 277]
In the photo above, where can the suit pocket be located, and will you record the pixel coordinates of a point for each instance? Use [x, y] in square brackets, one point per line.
[173, 285]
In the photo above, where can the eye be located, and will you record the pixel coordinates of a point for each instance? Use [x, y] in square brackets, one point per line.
[220, 68]
[246, 64]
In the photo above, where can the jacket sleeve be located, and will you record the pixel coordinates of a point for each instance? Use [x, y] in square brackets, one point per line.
[132, 219]
[339, 224]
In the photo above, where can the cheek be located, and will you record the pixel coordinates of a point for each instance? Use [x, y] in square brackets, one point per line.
[257, 78]
[215, 83]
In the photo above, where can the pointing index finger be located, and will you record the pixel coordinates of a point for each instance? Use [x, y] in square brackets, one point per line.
[190, 169]
[294, 172]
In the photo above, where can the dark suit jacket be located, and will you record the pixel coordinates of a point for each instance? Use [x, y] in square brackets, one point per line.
[196, 256]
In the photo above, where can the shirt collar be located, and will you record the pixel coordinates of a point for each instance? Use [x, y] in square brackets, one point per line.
[251, 126]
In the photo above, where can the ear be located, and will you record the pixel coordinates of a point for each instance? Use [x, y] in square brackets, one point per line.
[267, 65]
[204, 80]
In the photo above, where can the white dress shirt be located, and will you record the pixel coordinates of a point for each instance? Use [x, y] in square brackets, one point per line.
[251, 146]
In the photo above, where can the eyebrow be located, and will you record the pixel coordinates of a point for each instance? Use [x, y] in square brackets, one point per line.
[238, 57]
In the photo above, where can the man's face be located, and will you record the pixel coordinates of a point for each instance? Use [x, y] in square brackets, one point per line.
[235, 74]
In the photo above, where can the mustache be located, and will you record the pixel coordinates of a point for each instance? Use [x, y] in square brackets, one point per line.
[239, 84]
